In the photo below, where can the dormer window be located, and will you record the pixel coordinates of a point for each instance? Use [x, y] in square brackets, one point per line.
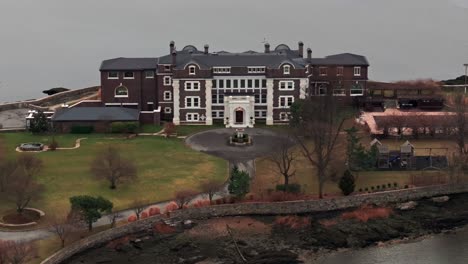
[192, 70]
[113, 75]
[286, 69]
[129, 75]
[121, 91]
[167, 68]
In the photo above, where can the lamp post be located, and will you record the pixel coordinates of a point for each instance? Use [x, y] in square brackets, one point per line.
[466, 75]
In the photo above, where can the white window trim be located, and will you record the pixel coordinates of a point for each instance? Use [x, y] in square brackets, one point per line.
[286, 69]
[326, 71]
[256, 69]
[261, 113]
[340, 94]
[129, 78]
[286, 85]
[167, 110]
[338, 72]
[222, 70]
[284, 113]
[357, 71]
[360, 94]
[285, 100]
[149, 77]
[167, 98]
[187, 98]
[197, 115]
[113, 78]
[120, 96]
[191, 85]
[192, 67]
[167, 80]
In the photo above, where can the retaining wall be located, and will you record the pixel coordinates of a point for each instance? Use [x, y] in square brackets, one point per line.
[43, 103]
[278, 208]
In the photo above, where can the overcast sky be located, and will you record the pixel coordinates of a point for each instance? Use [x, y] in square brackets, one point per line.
[51, 43]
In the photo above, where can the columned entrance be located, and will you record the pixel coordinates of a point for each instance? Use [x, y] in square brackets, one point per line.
[239, 111]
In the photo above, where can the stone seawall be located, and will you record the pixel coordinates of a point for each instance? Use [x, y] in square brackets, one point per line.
[43, 103]
[278, 208]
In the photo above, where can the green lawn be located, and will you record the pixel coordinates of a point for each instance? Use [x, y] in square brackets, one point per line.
[164, 167]
[186, 130]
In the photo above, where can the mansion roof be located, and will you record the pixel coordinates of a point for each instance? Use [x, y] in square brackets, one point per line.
[272, 59]
[96, 114]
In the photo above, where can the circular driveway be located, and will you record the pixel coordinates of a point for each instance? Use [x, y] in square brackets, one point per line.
[215, 142]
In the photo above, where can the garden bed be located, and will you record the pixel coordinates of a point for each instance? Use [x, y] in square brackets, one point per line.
[26, 217]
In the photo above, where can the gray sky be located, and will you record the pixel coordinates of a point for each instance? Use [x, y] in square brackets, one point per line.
[50, 43]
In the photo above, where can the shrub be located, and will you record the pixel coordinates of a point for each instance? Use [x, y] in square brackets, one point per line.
[82, 129]
[144, 215]
[124, 127]
[169, 129]
[132, 218]
[360, 189]
[239, 184]
[366, 189]
[347, 183]
[395, 184]
[290, 188]
[372, 187]
[172, 206]
[154, 211]
[53, 145]
[406, 186]
[366, 212]
[378, 187]
[384, 186]
[389, 185]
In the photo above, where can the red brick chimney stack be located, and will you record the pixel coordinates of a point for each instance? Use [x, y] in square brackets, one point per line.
[301, 48]
[267, 47]
[207, 47]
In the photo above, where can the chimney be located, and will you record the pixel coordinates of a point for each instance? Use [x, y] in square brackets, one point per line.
[309, 53]
[171, 46]
[267, 47]
[207, 47]
[301, 48]
[174, 57]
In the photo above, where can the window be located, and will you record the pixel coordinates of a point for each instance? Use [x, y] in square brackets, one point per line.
[286, 69]
[339, 90]
[121, 91]
[256, 69]
[322, 89]
[356, 90]
[217, 99]
[167, 110]
[323, 71]
[167, 68]
[228, 83]
[260, 114]
[167, 80]
[192, 86]
[284, 116]
[129, 75]
[222, 70]
[217, 114]
[221, 84]
[242, 85]
[260, 98]
[357, 71]
[192, 117]
[264, 83]
[113, 75]
[149, 74]
[286, 85]
[249, 84]
[339, 71]
[235, 84]
[191, 70]
[286, 101]
[192, 102]
[257, 83]
[167, 95]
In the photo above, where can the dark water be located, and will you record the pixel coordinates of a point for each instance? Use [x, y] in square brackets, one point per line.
[438, 249]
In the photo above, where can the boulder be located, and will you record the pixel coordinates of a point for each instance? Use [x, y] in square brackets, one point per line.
[407, 206]
[441, 199]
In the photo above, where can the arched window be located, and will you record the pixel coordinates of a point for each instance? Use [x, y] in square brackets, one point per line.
[322, 89]
[286, 69]
[121, 91]
[192, 69]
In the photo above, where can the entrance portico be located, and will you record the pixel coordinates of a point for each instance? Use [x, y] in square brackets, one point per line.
[239, 111]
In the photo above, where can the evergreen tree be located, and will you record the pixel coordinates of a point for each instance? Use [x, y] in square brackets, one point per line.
[347, 183]
[239, 184]
[39, 123]
[90, 208]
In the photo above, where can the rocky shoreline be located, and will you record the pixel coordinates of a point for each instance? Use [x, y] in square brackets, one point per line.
[283, 239]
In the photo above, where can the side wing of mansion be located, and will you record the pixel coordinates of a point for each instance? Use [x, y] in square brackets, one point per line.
[190, 86]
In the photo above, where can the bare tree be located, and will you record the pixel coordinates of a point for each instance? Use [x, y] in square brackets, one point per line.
[62, 227]
[31, 164]
[16, 252]
[169, 129]
[7, 168]
[110, 165]
[211, 188]
[22, 190]
[113, 216]
[183, 197]
[317, 126]
[461, 122]
[138, 206]
[283, 157]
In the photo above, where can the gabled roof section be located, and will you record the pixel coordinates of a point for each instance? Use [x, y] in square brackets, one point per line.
[96, 114]
[129, 64]
[341, 59]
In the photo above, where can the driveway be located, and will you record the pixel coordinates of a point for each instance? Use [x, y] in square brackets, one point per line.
[215, 142]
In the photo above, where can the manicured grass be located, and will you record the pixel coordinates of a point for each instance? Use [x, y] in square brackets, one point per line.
[150, 128]
[188, 130]
[164, 167]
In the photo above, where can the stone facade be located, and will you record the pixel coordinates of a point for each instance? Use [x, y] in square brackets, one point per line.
[278, 208]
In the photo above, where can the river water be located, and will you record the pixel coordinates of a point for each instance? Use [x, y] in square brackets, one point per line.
[437, 249]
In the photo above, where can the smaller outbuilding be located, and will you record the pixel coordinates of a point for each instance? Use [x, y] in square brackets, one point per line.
[97, 119]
